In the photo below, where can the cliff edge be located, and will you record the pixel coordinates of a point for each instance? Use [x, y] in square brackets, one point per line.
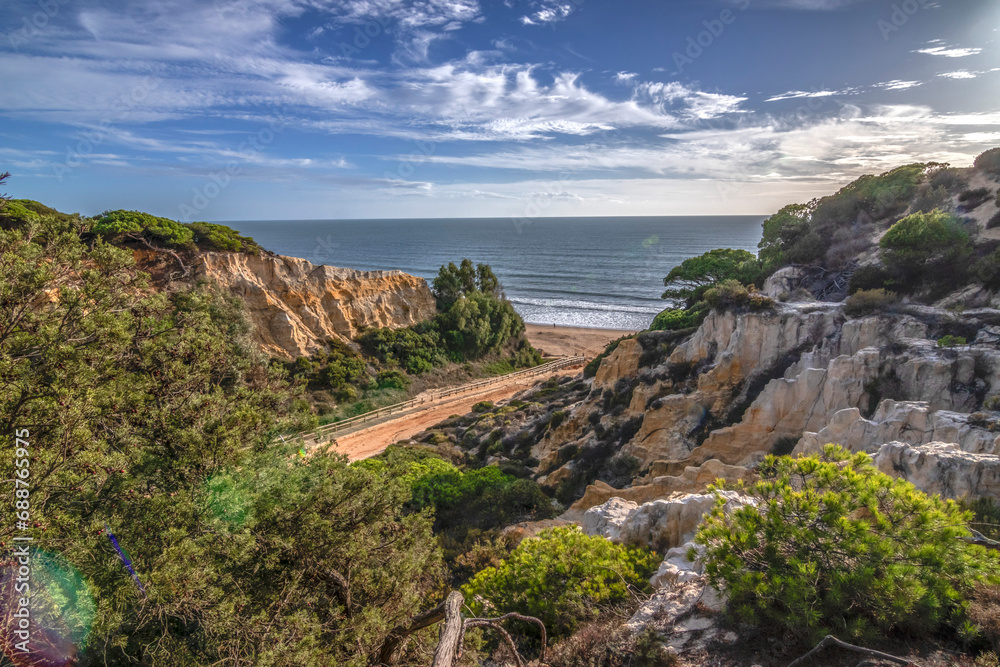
[295, 306]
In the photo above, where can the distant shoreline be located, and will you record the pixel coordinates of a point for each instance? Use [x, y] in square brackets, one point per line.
[568, 341]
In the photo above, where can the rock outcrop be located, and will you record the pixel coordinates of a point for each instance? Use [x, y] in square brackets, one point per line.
[295, 306]
[792, 379]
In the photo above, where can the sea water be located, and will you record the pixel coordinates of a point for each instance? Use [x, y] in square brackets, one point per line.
[584, 272]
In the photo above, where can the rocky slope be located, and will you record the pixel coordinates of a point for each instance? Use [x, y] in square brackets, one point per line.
[295, 306]
[745, 385]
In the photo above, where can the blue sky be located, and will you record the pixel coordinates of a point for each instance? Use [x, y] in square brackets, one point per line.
[314, 109]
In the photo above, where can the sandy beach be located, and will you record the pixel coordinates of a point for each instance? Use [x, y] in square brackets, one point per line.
[571, 341]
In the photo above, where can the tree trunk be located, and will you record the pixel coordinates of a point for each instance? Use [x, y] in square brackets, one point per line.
[451, 631]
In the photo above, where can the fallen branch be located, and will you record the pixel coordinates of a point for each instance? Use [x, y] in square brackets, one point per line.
[981, 540]
[830, 640]
[452, 635]
[401, 632]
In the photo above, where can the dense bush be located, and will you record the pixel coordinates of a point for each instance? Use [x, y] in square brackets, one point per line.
[154, 415]
[678, 319]
[732, 295]
[688, 282]
[989, 162]
[415, 349]
[452, 282]
[833, 546]
[611, 644]
[16, 213]
[925, 244]
[783, 234]
[870, 302]
[868, 277]
[563, 577]
[212, 236]
[873, 197]
[478, 324]
[162, 230]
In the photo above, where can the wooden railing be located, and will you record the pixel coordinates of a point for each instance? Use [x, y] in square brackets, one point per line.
[325, 432]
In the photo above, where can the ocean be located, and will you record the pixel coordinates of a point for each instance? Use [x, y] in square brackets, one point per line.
[603, 273]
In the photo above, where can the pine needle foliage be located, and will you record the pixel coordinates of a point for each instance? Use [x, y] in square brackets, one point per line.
[833, 546]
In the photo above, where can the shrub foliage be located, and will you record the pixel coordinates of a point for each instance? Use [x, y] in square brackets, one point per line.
[833, 546]
[562, 577]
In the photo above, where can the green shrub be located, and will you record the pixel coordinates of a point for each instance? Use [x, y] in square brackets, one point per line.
[678, 319]
[732, 295]
[562, 577]
[217, 237]
[689, 281]
[989, 162]
[870, 302]
[483, 406]
[17, 213]
[950, 341]
[782, 231]
[833, 546]
[393, 379]
[922, 244]
[868, 277]
[162, 230]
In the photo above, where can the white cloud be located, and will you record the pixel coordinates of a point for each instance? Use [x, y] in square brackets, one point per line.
[960, 74]
[548, 11]
[950, 52]
[898, 85]
[800, 94]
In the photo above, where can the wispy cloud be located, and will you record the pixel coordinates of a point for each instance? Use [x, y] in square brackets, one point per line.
[950, 51]
[548, 11]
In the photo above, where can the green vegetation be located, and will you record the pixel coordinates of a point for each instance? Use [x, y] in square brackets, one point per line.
[679, 319]
[476, 323]
[989, 162]
[870, 302]
[802, 233]
[696, 277]
[833, 546]
[733, 295]
[453, 282]
[154, 415]
[925, 245]
[951, 341]
[121, 224]
[787, 238]
[562, 577]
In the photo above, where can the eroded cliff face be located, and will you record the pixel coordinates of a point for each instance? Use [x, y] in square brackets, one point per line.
[796, 378]
[295, 305]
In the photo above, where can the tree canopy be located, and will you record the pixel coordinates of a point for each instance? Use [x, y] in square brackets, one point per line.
[689, 281]
[453, 282]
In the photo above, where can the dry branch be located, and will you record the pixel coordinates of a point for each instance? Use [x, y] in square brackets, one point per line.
[830, 640]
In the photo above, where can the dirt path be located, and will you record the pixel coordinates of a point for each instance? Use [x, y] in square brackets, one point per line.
[374, 439]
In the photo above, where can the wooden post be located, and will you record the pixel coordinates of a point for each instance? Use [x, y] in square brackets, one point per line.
[451, 631]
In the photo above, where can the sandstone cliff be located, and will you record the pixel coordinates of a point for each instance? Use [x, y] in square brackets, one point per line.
[295, 306]
[803, 375]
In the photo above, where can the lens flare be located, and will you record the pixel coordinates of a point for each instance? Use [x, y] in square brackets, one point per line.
[47, 609]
